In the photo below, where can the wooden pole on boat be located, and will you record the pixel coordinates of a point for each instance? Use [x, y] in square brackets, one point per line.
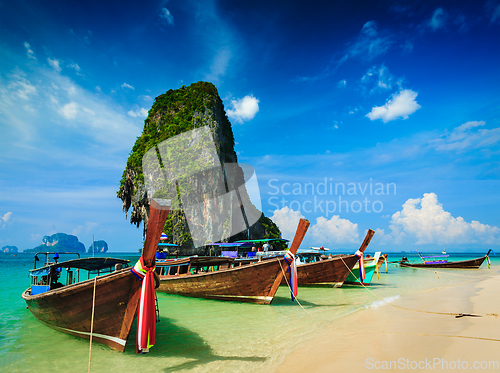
[158, 213]
[297, 240]
[92, 322]
[367, 240]
[299, 235]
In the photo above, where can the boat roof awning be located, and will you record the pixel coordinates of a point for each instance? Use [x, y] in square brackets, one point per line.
[197, 261]
[89, 264]
[168, 244]
[229, 244]
[264, 240]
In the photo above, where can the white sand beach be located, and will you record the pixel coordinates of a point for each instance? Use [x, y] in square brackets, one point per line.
[391, 339]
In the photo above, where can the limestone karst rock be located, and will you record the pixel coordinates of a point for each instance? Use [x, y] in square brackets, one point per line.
[174, 113]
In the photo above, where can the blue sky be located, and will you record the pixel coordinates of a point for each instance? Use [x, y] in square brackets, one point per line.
[355, 115]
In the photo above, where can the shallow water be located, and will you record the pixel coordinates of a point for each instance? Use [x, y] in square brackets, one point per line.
[199, 335]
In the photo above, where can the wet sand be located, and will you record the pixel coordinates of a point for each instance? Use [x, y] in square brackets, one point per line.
[392, 339]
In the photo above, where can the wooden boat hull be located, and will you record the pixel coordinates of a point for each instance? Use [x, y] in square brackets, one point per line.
[328, 272]
[462, 264]
[69, 309]
[256, 282]
[353, 278]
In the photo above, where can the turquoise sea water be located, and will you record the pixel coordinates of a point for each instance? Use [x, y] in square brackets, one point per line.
[199, 335]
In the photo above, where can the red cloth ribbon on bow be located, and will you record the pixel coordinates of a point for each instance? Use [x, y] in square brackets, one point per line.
[146, 315]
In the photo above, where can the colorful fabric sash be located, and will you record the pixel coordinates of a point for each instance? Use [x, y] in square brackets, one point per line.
[361, 264]
[292, 274]
[146, 315]
[488, 261]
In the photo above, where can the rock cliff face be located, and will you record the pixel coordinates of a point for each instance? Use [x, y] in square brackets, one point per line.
[9, 249]
[99, 247]
[175, 112]
[60, 242]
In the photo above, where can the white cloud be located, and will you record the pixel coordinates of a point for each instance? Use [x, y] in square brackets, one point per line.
[125, 85]
[166, 16]
[7, 216]
[379, 78]
[342, 83]
[335, 230]
[69, 111]
[243, 109]
[400, 105]
[287, 221]
[60, 103]
[18, 87]
[139, 112]
[466, 137]
[54, 64]
[219, 65]
[424, 221]
[438, 19]
[494, 9]
[369, 43]
[29, 51]
[88, 228]
[74, 66]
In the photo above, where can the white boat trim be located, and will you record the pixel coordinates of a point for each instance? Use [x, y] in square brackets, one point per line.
[244, 297]
[103, 336]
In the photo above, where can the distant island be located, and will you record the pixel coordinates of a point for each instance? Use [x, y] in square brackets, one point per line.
[99, 247]
[9, 249]
[59, 242]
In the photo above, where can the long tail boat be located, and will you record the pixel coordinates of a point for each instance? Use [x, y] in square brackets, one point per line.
[103, 306]
[227, 278]
[381, 260]
[355, 276]
[441, 261]
[332, 271]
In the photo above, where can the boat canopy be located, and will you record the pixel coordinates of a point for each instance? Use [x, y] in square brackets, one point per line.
[89, 264]
[168, 245]
[264, 240]
[196, 261]
[230, 244]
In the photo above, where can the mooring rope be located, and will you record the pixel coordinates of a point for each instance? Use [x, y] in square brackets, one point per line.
[439, 335]
[457, 315]
[403, 308]
[290, 287]
[92, 323]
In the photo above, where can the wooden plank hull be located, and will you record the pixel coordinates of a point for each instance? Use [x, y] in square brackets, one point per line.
[354, 276]
[463, 264]
[331, 272]
[69, 309]
[255, 283]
